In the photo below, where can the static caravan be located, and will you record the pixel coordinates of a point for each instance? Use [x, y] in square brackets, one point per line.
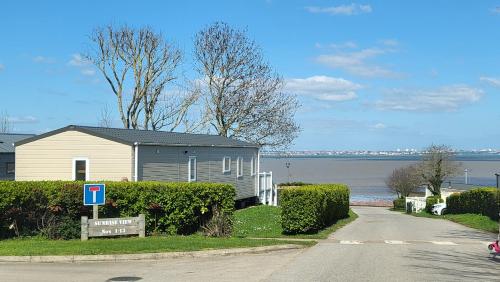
[7, 158]
[98, 153]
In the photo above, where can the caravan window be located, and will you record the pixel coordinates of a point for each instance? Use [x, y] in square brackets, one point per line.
[226, 164]
[80, 170]
[239, 167]
[192, 169]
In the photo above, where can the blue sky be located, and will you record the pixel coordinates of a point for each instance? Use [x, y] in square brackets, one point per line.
[369, 74]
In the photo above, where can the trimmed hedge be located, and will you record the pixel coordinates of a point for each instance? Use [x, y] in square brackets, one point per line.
[430, 201]
[310, 208]
[399, 204]
[479, 201]
[53, 208]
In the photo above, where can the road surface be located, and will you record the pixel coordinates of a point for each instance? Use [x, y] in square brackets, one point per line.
[379, 246]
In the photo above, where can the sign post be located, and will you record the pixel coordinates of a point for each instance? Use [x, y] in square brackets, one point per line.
[94, 195]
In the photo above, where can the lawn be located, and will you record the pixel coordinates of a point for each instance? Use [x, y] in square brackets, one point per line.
[265, 222]
[475, 221]
[254, 222]
[157, 244]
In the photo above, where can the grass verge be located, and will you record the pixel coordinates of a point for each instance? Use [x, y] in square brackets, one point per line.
[265, 222]
[475, 221]
[39, 247]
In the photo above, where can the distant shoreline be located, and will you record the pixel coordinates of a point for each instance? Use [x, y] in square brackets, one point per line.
[472, 157]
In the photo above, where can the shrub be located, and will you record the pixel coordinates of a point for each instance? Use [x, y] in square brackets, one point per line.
[310, 208]
[220, 224]
[53, 208]
[478, 201]
[430, 201]
[399, 204]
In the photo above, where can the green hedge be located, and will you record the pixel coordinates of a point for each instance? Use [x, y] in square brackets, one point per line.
[399, 204]
[54, 208]
[432, 200]
[310, 208]
[479, 201]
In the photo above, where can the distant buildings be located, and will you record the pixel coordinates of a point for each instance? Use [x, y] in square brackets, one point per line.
[7, 157]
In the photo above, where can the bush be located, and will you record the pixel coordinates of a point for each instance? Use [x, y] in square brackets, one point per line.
[430, 201]
[399, 204]
[478, 201]
[220, 225]
[53, 208]
[310, 208]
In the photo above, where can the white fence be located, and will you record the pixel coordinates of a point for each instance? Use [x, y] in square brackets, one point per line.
[267, 191]
[417, 204]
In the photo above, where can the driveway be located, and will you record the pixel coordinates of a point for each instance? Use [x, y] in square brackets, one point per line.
[379, 246]
[389, 246]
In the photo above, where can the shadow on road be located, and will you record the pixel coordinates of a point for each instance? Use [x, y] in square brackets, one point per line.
[449, 262]
[467, 234]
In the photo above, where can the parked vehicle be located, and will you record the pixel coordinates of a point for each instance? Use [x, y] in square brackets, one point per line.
[439, 209]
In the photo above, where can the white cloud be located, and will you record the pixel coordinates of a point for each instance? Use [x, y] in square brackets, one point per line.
[379, 126]
[495, 10]
[323, 88]
[347, 10]
[389, 42]
[356, 62]
[446, 98]
[43, 60]
[344, 45]
[2, 67]
[24, 119]
[83, 64]
[78, 60]
[88, 72]
[491, 80]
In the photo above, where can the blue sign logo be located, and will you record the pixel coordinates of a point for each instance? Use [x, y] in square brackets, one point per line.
[94, 194]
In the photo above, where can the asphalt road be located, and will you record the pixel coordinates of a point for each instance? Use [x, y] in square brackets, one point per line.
[379, 246]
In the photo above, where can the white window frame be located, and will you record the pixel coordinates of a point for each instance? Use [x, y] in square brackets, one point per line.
[224, 169]
[239, 167]
[87, 168]
[253, 167]
[190, 179]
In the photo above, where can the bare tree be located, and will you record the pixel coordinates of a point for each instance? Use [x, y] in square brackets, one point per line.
[404, 181]
[137, 64]
[437, 165]
[106, 119]
[5, 124]
[173, 110]
[243, 95]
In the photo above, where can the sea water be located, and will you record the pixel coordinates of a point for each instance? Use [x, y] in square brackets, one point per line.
[366, 175]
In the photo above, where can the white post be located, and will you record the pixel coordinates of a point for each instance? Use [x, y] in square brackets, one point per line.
[265, 189]
[275, 202]
[466, 176]
[95, 211]
[258, 173]
[270, 185]
[136, 161]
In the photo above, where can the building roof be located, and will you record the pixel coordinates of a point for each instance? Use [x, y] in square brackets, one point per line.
[7, 141]
[149, 137]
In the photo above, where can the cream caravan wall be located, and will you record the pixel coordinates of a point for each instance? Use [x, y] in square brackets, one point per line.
[51, 158]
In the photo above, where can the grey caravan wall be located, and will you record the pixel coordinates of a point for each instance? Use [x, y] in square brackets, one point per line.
[163, 163]
[4, 159]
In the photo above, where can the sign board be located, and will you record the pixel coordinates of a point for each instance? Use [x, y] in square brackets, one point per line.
[94, 194]
[105, 227]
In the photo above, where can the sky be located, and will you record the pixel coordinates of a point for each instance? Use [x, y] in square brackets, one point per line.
[369, 75]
